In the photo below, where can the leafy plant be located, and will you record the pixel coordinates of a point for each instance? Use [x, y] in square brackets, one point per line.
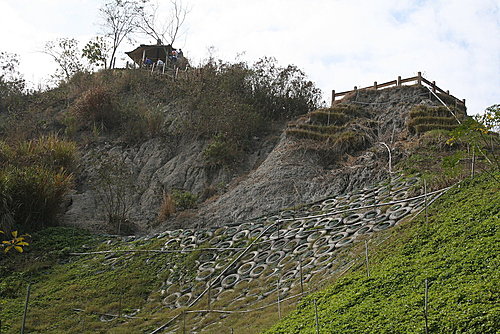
[17, 242]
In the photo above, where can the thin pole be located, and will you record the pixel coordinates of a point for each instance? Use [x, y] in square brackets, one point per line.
[425, 200]
[472, 163]
[209, 295]
[316, 312]
[28, 289]
[184, 322]
[426, 299]
[279, 302]
[301, 277]
[366, 256]
[120, 306]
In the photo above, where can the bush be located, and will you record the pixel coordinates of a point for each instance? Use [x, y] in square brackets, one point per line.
[34, 176]
[184, 199]
[31, 196]
[96, 106]
[221, 152]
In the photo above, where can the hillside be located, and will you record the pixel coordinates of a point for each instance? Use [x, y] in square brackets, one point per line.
[225, 196]
[456, 251]
[124, 288]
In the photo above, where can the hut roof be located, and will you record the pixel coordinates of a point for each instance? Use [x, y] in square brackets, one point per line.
[153, 52]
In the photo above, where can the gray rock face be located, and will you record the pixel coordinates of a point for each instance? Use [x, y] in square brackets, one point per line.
[277, 174]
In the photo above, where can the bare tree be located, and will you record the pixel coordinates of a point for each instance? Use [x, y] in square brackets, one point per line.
[165, 29]
[120, 21]
[67, 55]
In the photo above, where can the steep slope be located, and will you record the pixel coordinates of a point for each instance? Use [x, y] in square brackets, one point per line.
[456, 251]
[283, 170]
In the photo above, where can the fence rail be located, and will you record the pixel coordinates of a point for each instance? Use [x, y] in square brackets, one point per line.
[419, 79]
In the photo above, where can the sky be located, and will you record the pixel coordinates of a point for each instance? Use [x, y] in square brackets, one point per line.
[339, 44]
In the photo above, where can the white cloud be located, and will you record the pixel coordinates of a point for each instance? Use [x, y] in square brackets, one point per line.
[339, 43]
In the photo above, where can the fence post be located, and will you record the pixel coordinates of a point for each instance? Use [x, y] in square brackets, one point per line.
[209, 296]
[366, 256]
[398, 82]
[301, 277]
[434, 86]
[472, 162]
[333, 95]
[375, 85]
[447, 92]
[419, 78]
[425, 200]
[426, 299]
[279, 302]
[316, 316]
[28, 289]
[184, 322]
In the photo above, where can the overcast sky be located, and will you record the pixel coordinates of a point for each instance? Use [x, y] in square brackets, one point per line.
[338, 43]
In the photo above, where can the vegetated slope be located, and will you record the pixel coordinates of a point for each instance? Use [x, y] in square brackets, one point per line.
[327, 152]
[457, 251]
[297, 250]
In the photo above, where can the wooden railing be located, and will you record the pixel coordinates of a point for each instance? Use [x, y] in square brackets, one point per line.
[399, 82]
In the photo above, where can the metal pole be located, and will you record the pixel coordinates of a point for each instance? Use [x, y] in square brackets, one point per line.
[26, 307]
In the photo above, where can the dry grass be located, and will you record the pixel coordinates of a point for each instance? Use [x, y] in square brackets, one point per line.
[167, 207]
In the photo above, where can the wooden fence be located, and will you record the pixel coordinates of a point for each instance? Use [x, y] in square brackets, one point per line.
[399, 82]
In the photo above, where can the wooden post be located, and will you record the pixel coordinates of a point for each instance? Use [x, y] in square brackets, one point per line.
[184, 322]
[279, 302]
[425, 199]
[398, 82]
[209, 296]
[419, 78]
[28, 289]
[366, 259]
[434, 86]
[472, 162]
[120, 307]
[448, 92]
[426, 299]
[463, 101]
[375, 85]
[301, 277]
[316, 316]
[333, 95]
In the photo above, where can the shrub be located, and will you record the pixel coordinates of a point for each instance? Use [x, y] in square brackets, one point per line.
[31, 196]
[184, 199]
[221, 152]
[96, 106]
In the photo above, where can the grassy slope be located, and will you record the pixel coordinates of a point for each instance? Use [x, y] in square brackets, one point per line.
[457, 251]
